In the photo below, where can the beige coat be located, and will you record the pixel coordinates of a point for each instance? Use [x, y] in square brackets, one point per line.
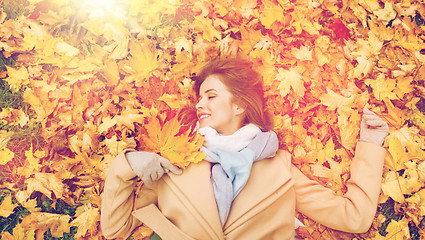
[183, 207]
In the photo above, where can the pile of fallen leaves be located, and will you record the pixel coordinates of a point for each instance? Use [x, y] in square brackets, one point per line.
[81, 80]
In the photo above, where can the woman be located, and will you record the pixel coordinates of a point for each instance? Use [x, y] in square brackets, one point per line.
[245, 189]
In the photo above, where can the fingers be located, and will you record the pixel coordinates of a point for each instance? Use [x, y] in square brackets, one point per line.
[168, 167]
[147, 182]
[375, 123]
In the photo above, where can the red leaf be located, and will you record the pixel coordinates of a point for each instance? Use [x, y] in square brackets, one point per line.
[340, 30]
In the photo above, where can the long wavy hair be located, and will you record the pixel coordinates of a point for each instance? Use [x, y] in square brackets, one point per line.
[246, 85]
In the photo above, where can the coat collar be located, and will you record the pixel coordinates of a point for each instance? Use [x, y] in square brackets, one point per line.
[267, 176]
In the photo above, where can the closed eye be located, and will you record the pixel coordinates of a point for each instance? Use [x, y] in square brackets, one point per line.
[211, 97]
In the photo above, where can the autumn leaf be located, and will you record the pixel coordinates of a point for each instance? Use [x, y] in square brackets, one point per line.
[58, 224]
[6, 207]
[17, 77]
[270, 14]
[46, 183]
[19, 233]
[290, 79]
[143, 60]
[165, 135]
[5, 156]
[86, 222]
[340, 30]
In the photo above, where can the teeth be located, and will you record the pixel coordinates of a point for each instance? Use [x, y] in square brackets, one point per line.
[203, 116]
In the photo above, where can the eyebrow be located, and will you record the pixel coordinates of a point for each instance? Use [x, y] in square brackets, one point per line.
[210, 90]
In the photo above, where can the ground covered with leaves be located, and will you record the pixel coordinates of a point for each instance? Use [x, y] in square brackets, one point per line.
[82, 80]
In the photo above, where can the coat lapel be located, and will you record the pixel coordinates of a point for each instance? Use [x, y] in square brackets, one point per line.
[267, 177]
[195, 188]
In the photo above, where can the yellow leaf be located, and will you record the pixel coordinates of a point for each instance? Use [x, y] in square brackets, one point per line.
[333, 100]
[270, 14]
[383, 88]
[66, 49]
[179, 147]
[387, 13]
[184, 44]
[395, 116]
[111, 72]
[290, 79]
[391, 186]
[349, 122]
[172, 100]
[205, 26]
[46, 183]
[398, 229]
[363, 67]
[333, 174]
[30, 205]
[87, 222]
[107, 122]
[303, 53]
[42, 110]
[327, 153]
[5, 156]
[42, 221]
[143, 60]
[403, 86]
[130, 116]
[19, 233]
[115, 147]
[33, 159]
[398, 154]
[17, 77]
[6, 207]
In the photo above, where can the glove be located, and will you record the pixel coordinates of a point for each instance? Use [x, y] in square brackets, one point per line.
[372, 128]
[150, 166]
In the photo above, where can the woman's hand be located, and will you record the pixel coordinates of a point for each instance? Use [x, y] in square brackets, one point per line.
[372, 128]
[150, 166]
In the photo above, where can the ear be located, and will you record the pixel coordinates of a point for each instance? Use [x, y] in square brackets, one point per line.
[238, 109]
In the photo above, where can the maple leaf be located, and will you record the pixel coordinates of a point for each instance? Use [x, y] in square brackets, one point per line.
[29, 204]
[5, 156]
[303, 53]
[6, 207]
[340, 30]
[333, 100]
[86, 222]
[387, 13]
[290, 79]
[46, 183]
[398, 229]
[19, 233]
[165, 135]
[143, 60]
[58, 224]
[363, 68]
[271, 14]
[398, 154]
[383, 88]
[17, 77]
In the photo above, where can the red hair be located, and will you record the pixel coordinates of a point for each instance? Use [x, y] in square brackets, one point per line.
[244, 83]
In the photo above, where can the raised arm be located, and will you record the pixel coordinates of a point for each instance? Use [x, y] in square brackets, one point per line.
[353, 212]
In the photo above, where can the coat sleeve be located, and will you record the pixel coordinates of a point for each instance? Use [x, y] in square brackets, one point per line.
[116, 218]
[353, 212]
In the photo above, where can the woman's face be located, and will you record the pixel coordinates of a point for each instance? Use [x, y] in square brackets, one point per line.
[216, 107]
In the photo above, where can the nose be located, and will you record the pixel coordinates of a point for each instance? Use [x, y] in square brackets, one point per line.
[200, 105]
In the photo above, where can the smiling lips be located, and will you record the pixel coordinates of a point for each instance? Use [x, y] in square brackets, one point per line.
[202, 116]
